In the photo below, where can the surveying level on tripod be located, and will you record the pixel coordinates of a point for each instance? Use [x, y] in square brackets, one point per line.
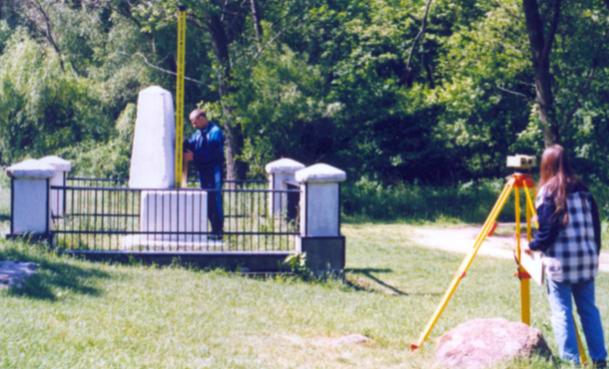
[528, 263]
[521, 162]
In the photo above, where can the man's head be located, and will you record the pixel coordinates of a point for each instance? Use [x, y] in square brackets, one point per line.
[198, 118]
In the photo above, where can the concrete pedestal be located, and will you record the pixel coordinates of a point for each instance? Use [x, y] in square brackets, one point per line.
[320, 236]
[30, 213]
[172, 219]
[323, 254]
[320, 205]
[280, 172]
[62, 167]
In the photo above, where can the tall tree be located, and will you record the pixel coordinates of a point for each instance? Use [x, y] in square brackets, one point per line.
[217, 24]
[222, 23]
[541, 47]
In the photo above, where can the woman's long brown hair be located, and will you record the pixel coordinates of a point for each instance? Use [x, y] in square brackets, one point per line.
[557, 176]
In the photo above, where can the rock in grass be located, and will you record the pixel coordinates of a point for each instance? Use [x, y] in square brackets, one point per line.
[483, 343]
[14, 273]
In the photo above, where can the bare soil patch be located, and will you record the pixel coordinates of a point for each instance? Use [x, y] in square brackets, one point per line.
[460, 239]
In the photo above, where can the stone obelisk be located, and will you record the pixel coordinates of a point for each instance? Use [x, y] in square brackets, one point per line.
[152, 156]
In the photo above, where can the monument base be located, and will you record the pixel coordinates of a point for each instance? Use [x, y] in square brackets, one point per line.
[176, 220]
[171, 217]
[170, 243]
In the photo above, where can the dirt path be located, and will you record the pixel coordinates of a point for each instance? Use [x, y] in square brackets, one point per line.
[460, 239]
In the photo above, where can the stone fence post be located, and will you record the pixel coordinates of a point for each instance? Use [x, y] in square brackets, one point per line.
[30, 215]
[320, 236]
[279, 173]
[62, 167]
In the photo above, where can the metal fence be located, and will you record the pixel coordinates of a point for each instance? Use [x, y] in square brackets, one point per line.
[93, 214]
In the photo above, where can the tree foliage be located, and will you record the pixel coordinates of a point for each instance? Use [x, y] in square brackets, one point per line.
[392, 91]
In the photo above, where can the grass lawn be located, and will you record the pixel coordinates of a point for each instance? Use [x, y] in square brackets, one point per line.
[76, 314]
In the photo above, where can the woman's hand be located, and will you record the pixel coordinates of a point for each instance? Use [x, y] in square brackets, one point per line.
[524, 249]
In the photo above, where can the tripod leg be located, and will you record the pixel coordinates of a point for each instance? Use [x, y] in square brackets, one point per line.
[466, 263]
[530, 210]
[530, 205]
[525, 287]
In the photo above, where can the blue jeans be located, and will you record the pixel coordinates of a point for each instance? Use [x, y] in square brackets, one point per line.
[210, 178]
[559, 295]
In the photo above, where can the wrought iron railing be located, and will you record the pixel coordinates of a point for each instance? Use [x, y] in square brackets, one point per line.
[106, 215]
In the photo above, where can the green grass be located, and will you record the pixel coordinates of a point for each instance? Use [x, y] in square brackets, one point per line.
[76, 314]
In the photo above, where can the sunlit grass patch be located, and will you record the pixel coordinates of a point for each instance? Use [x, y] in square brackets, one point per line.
[84, 315]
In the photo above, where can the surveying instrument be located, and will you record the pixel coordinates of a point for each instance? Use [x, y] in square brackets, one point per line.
[528, 263]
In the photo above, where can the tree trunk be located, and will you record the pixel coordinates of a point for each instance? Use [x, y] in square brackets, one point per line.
[256, 22]
[408, 77]
[48, 32]
[541, 47]
[235, 168]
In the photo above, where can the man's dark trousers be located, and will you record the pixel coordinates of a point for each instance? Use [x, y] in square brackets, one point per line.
[210, 178]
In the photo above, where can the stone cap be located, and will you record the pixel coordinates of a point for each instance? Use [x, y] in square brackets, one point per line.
[320, 173]
[30, 168]
[57, 163]
[283, 165]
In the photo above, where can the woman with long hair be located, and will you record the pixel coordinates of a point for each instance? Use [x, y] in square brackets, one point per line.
[570, 239]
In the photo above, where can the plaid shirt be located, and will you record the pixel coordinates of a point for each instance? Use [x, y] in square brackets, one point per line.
[570, 252]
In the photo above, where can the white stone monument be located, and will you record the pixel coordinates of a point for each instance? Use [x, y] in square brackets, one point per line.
[62, 167]
[152, 155]
[30, 213]
[280, 173]
[170, 219]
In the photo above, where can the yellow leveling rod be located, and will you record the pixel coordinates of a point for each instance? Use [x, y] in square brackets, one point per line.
[466, 263]
[180, 94]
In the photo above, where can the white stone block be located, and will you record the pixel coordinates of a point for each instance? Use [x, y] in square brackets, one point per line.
[320, 173]
[152, 156]
[30, 209]
[62, 167]
[172, 212]
[283, 165]
[30, 196]
[280, 172]
[320, 200]
[33, 169]
[59, 164]
[319, 210]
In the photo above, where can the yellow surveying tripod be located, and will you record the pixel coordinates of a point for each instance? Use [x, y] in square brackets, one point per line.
[515, 183]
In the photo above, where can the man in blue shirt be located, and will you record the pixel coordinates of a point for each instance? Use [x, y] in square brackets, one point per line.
[205, 148]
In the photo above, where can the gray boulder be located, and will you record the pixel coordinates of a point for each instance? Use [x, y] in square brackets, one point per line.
[14, 273]
[483, 343]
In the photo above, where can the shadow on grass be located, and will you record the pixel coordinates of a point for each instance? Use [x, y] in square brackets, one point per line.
[367, 286]
[52, 275]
